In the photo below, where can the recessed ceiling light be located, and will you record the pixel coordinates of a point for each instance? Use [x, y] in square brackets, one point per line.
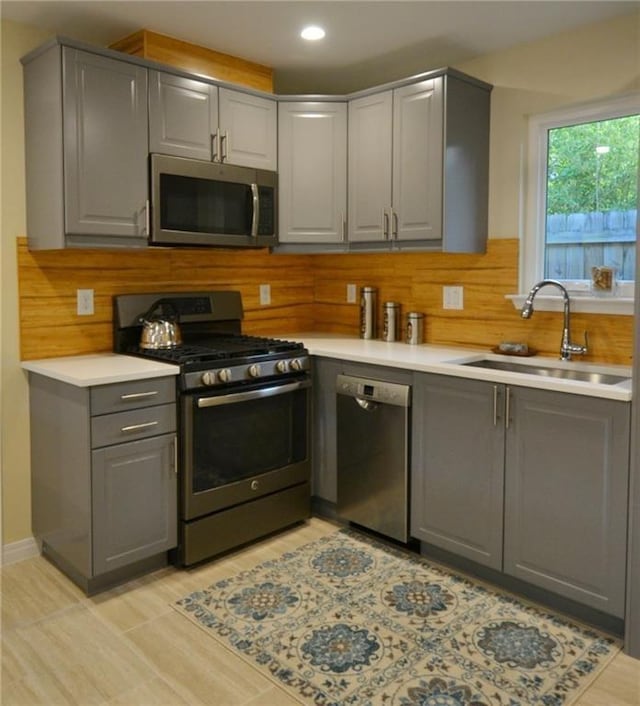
[312, 33]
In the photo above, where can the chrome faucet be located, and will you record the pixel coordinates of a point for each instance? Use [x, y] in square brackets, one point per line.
[567, 349]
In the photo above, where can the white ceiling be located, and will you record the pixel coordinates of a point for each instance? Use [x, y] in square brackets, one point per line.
[385, 40]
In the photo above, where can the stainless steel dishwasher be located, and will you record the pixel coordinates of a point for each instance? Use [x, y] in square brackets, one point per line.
[373, 454]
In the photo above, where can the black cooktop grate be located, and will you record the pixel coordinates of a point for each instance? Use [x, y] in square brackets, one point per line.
[219, 348]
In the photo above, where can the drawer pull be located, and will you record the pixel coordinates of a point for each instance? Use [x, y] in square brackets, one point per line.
[138, 395]
[138, 427]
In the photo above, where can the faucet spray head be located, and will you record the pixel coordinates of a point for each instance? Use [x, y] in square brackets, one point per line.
[527, 309]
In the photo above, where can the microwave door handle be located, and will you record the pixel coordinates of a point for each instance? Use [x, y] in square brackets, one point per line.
[256, 210]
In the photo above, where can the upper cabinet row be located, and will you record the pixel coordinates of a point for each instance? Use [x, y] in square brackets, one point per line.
[91, 122]
[414, 163]
[411, 162]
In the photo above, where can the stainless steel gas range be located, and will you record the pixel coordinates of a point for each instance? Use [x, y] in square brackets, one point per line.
[244, 420]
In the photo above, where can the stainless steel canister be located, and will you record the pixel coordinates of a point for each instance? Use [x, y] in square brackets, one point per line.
[415, 327]
[391, 321]
[368, 306]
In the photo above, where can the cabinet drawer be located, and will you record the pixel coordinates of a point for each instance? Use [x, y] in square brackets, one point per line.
[132, 395]
[130, 426]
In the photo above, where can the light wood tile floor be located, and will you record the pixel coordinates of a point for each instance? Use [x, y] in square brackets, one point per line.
[128, 647]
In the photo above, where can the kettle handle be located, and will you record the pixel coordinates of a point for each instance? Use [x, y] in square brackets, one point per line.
[165, 305]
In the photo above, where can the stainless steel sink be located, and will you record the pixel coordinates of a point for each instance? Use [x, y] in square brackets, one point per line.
[548, 371]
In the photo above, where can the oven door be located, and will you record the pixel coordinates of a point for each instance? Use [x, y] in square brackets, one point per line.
[238, 446]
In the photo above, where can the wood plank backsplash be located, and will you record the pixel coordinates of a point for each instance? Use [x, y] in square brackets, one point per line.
[308, 293]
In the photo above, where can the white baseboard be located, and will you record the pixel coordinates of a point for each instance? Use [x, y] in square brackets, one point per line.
[19, 551]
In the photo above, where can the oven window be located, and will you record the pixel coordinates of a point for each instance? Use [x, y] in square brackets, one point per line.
[196, 205]
[241, 440]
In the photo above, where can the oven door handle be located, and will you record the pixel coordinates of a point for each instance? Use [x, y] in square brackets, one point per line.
[252, 395]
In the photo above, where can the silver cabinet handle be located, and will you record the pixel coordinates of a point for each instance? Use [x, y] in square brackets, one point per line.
[255, 197]
[224, 144]
[343, 224]
[394, 218]
[138, 427]
[507, 408]
[495, 405]
[138, 395]
[385, 224]
[147, 218]
[215, 140]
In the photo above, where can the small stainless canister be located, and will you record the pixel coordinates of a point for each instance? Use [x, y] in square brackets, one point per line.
[415, 327]
[368, 305]
[391, 321]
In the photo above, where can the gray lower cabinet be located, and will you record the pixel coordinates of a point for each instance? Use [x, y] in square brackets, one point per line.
[104, 476]
[563, 463]
[566, 493]
[457, 479]
[86, 144]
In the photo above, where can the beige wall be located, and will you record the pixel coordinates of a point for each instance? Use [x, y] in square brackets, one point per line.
[16, 40]
[573, 67]
[592, 62]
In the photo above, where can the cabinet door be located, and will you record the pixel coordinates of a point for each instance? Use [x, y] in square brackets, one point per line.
[370, 136]
[134, 501]
[105, 145]
[183, 116]
[313, 172]
[417, 161]
[567, 466]
[249, 131]
[458, 466]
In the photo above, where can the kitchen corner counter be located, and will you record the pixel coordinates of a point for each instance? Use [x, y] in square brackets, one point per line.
[99, 369]
[448, 360]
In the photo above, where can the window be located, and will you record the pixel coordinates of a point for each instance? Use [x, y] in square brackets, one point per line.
[583, 199]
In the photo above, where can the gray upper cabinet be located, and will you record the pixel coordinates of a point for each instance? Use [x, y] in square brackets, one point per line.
[458, 467]
[312, 172]
[418, 166]
[395, 164]
[566, 491]
[563, 463]
[86, 142]
[191, 118]
[183, 116]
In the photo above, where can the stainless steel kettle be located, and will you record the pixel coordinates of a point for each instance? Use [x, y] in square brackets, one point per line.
[160, 328]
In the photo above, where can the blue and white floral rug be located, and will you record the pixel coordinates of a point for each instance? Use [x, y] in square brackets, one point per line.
[346, 621]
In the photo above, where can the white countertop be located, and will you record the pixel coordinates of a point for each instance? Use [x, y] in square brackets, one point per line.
[106, 368]
[99, 369]
[446, 360]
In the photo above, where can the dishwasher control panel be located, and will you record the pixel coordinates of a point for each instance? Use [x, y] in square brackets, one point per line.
[374, 390]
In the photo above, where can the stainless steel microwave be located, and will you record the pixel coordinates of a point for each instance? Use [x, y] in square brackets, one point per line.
[200, 203]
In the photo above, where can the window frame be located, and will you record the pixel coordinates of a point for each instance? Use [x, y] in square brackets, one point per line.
[533, 240]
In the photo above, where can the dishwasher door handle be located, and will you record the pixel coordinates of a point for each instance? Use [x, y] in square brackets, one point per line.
[367, 405]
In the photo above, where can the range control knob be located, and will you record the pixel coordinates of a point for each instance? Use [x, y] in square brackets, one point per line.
[296, 364]
[254, 371]
[281, 366]
[208, 378]
[224, 375]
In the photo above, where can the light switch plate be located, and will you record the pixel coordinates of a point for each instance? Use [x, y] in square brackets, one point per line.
[351, 293]
[265, 294]
[452, 298]
[84, 302]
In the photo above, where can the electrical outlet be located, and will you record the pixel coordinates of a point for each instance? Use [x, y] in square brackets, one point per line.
[452, 298]
[351, 293]
[84, 302]
[265, 294]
